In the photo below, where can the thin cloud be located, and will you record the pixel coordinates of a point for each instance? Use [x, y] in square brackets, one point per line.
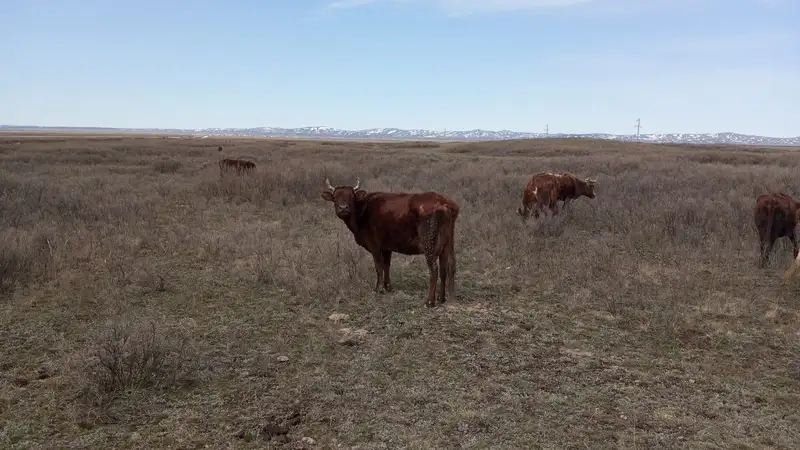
[478, 6]
[469, 7]
[345, 4]
[748, 41]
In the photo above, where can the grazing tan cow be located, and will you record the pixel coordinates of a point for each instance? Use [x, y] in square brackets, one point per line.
[241, 166]
[547, 188]
[407, 223]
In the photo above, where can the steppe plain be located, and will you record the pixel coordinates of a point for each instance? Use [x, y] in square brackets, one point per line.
[148, 303]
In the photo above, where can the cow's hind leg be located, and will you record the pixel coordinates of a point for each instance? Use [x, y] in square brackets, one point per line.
[766, 249]
[434, 275]
[427, 232]
[387, 262]
[450, 250]
[763, 241]
[443, 265]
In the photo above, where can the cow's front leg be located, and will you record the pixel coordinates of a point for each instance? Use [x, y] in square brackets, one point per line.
[387, 262]
[378, 259]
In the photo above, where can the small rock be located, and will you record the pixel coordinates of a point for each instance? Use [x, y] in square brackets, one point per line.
[20, 382]
[281, 439]
[338, 317]
[350, 337]
[305, 443]
[283, 358]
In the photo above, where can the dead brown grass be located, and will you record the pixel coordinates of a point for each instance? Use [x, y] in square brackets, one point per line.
[146, 303]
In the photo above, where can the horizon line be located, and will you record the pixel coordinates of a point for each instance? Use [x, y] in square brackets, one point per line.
[442, 130]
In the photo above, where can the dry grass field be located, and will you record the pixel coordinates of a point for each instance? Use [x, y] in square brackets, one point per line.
[148, 304]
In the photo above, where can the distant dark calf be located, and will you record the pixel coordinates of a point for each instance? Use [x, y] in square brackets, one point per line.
[775, 216]
[240, 165]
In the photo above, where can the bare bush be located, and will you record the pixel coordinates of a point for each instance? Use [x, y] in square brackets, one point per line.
[14, 267]
[127, 355]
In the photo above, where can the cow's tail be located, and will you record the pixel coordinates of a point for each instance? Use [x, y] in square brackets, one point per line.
[440, 240]
[446, 233]
[775, 220]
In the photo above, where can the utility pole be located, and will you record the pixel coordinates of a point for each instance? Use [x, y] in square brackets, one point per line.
[546, 130]
[638, 127]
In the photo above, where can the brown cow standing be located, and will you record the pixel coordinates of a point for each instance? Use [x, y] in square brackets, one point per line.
[547, 188]
[240, 165]
[775, 216]
[402, 222]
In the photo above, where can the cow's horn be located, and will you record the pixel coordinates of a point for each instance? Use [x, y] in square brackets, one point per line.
[328, 185]
[358, 183]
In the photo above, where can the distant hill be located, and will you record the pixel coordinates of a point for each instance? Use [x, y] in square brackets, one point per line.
[397, 133]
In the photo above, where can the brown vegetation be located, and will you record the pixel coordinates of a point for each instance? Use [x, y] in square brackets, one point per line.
[147, 303]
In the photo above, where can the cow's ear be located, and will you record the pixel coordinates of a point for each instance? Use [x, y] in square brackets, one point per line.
[361, 195]
[327, 196]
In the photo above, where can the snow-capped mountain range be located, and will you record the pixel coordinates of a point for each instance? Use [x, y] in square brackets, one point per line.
[397, 133]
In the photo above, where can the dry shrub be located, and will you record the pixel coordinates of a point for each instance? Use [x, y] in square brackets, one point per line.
[14, 267]
[26, 256]
[135, 354]
[168, 166]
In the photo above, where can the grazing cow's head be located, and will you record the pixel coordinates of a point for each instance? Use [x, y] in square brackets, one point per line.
[344, 198]
[589, 187]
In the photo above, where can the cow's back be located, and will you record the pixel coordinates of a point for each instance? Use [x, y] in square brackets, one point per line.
[567, 186]
[389, 219]
[540, 187]
[775, 214]
[387, 222]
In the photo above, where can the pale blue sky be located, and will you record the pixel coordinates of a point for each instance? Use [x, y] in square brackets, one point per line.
[577, 65]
